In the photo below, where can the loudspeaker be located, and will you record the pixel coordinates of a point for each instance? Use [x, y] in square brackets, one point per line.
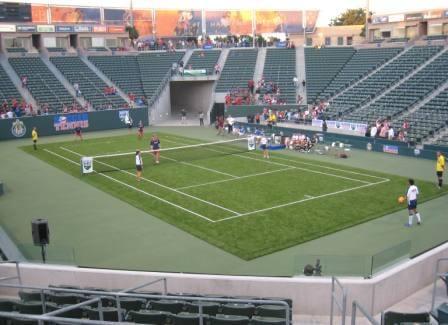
[40, 232]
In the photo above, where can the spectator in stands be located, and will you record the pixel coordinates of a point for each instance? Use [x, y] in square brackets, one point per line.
[183, 114]
[391, 133]
[405, 126]
[24, 80]
[373, 131]
[217, 69]
[295, 81]
[77, 91]
[251, 86]
[10, 114]
[257, 118]
[303, 83]
[230, 122]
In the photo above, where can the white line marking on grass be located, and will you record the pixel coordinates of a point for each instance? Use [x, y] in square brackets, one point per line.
[158, 184]
[308, 196]
[301, 201]
[296, 167]
[233, 179]
[200, 167]
[134, 188]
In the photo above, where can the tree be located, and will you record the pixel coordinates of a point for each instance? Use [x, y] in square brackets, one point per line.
[352, 17]
[133, 33]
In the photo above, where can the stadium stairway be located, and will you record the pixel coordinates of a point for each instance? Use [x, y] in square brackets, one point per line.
[42, 83]
[105, 79]
[11, 86]
[373, 109]
[280, 67]
[64, 82]
[368, 75]
[300, 72]
[90, 85]
[187, 56]
[219, 97]
[259, 66]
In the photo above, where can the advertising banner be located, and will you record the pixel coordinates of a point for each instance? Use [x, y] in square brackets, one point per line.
[65, 29]
[142, 19]
[178, 22]
[82, 29]
[433, 14]
[380, 19]
[100, 29]
[75, 15]
[115, 29]
[26, 28]
[39, 14]
[390, 149]
[228, 22]
[87, 165]
[7, 28]
[279, 22]
[70, 121]
[15, 12]
[311, 17]
[396, 18]
[413, 16]
[359, 128]
[45, 28]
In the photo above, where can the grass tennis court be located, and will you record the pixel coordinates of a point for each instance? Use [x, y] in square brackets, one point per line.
[237, 200]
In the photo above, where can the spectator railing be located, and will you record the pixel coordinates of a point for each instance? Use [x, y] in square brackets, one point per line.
[18, 277]
[438, 274]
[341, 301]
[355, 307]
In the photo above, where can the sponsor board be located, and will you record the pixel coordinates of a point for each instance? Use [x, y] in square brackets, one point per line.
[390, 149]
[70, 121]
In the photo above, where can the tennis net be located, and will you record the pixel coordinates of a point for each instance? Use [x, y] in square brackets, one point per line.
[126, 160]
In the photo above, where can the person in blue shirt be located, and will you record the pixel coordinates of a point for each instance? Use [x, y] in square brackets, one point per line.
[155, 147]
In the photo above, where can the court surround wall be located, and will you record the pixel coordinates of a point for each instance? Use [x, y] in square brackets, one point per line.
[310, 295]
[97, 121]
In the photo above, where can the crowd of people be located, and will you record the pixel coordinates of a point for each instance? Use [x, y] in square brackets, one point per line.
[383, 128]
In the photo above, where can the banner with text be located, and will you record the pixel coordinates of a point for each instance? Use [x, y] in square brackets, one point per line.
[279, 22]
[178, 22]
[75, 15]
[228, 22]
[359, 128]
[70, 121]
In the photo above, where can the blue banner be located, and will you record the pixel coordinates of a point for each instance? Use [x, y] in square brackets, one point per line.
[26, 28]
[446, 13]
[65, 29]
[82, 29]
[71, 121]
[390, 149]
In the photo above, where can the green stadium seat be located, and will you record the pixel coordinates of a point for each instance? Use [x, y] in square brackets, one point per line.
[394, 318]
[258, 320]
[229, 319]
[63, 298]
[184, 318]
[238, 309]
[172, 306]
[204, 59]
[209, 308]
[109, 313]
[271, 311]
[30, 295]
[29, 307]
[7, 305]
[132, 303]
[148, 317]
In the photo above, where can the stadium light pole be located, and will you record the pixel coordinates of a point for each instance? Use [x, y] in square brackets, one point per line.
[367, 20]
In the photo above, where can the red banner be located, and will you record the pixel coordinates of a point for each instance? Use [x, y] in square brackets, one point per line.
[39, 14]
[116, 29]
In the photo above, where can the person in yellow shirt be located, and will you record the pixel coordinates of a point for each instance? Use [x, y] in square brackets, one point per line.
[440, 167]
[34, 137]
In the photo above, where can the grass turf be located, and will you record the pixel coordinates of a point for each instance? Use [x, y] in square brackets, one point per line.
[213, 198]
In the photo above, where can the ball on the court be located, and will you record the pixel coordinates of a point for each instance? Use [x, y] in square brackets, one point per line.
[401, 199]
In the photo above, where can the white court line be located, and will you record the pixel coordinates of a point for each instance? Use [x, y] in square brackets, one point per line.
[134, 188]
[233, 179]
[308, 196]
[301, 201]
[200, 167]
[156, 183]
[296, 167]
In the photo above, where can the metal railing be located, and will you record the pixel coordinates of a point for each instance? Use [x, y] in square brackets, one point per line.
[52, 316]
[355, 307]
[341, 304]
[437, 275]
[18, 277]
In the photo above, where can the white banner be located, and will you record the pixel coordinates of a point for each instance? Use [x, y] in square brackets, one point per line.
[87, 165]
[251, 143]
[359, 128]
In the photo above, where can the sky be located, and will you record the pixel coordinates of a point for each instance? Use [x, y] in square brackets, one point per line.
[328, 8]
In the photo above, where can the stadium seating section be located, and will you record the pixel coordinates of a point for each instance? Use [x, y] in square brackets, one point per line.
[361, 63]
[90, 85]
[152, 310]
[204, 60]
[154, 67]
[7, 89]
[56, 49]
[280, 67]
[42, 84]
[238, 70]
[405, 95]
[16, 50]
[124, 71]
[380, 81]
[321, 66]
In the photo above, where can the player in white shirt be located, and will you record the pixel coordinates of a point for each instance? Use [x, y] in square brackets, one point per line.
[264, 147]
[138, 164]
[412, 196]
